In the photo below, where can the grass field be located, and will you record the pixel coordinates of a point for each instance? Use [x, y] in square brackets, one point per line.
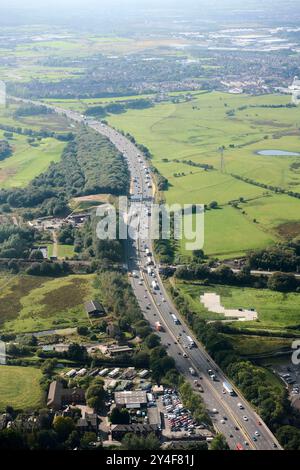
[29, 303]
[28, 161]
[29, 58]
[257, 345]
[276, 310]
[195, 131]
[51, 122]
[63, 251]
[19, 387]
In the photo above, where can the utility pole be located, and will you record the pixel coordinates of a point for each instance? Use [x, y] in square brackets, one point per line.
[222, 166]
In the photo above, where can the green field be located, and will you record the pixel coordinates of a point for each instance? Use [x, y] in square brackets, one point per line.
[257, 345]
[50, 122]
[28, 160]
[19, 387]
[195, 131]
[29, 58]
[29, 303]
[276, 310]
[63, 251]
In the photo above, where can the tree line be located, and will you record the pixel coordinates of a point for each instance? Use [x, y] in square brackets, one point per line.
[268, 398]
[5, 150]
[275, 189]
[89, 165]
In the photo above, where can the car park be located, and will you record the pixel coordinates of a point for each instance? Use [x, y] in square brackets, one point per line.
[178, 417]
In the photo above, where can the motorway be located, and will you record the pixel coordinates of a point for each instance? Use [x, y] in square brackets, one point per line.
[239, 426]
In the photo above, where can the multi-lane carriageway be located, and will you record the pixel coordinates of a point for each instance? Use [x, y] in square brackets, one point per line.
[157, 306]
[242, 427]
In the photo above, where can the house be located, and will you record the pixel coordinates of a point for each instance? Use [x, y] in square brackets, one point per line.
[157, 390]
[113, 330]
[154, 416]
[59, 396]
[118, 350]
[118, 431]
[59, 347]
[89, 423]
[124, 385]
[94, 308]
[131, 399]
[78, 219]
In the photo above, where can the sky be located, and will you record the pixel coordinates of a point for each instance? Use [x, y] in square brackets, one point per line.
[138, 4]
[65, 11]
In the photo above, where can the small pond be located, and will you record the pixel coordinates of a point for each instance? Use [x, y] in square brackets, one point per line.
[278, 153]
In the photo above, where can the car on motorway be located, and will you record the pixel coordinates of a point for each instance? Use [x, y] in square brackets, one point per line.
[254, 438]
[185, 355]
[240, 406]
[257, 433]
[245, 418]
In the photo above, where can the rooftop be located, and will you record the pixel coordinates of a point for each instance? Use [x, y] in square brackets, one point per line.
[128, 398]
[93, 306]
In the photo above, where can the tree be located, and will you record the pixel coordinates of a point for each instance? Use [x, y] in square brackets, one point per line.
[46, 440]
[213, 205]
[289, 437]
[141, 360]
[219, 443]
[11, 439]
[134, 442]
[73, 440]
[87, 439]
[63, 426]
[48, 366]
[152, 341]
[83, 330]
[45, 419]
[282, 282]
[77, 352]
[198, 255]
[118, 416]
[36, 254]
[95, 395]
